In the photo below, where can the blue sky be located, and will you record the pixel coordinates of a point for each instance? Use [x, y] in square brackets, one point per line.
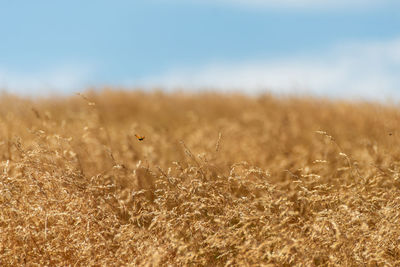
[348, 48]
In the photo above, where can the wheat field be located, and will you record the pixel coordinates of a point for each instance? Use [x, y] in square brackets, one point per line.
[218, 180]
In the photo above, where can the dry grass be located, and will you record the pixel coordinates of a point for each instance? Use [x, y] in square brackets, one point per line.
[219, 180]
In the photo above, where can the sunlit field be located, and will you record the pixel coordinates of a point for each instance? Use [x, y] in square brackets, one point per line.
[155, 179]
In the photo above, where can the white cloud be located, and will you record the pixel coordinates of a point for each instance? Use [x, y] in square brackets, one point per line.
[295, 4]
[363, 70]
[307, 3]
[60, 81]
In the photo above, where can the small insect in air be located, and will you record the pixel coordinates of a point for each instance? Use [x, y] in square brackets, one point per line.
[140, 138]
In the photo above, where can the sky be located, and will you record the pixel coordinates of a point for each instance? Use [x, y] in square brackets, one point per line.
[342, 48]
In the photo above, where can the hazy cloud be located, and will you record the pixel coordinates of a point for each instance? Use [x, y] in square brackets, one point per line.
[43, 82]
[365, 70]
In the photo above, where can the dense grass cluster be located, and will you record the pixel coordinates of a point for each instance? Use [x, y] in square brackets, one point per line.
[219, 180]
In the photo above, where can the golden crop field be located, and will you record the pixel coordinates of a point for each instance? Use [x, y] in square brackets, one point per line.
[218, 180]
